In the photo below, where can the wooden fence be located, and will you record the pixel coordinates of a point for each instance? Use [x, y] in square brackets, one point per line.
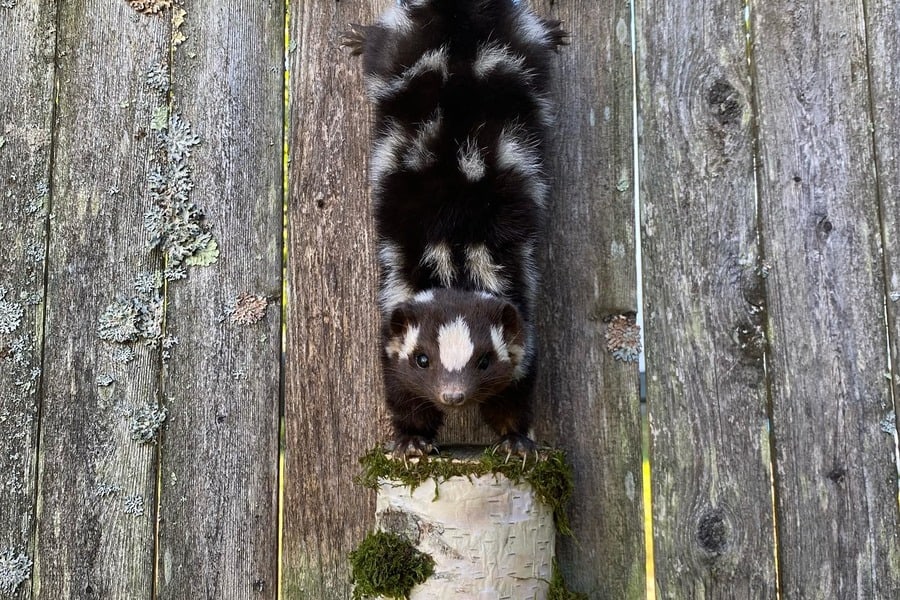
[147, 391]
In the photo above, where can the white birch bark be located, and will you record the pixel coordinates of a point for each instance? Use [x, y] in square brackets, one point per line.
[490, 539]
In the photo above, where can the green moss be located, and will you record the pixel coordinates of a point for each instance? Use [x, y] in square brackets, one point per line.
[558, 589]
[388, 565]
[550, 476]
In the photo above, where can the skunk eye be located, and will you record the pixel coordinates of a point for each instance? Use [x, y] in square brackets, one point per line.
[422, 360]
[485, 361]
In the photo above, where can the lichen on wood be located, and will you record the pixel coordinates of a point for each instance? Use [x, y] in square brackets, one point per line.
[15, 568]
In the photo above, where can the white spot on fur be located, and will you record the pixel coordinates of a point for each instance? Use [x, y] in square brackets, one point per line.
[395, 289]
[455, 345]
[433, 60]
[426, 296]
[471, 161]
[439, 258]
[519, 155]
[386, 153]
[419, 156]
[494, 57]
[531, 26]
[500, 348]
[546, 111]
[483, 270]
[396, 18]
[529, 273]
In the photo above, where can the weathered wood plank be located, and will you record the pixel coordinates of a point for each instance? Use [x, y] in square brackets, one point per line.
[836, 484]
[587, 401]
[333, 397]
[26, 106]
[218, 535]
[882, 17]
[95, 533]
[706, 389]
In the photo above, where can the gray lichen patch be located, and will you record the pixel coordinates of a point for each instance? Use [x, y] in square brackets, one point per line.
[118, 322]
[158, 78]
[146, 421]
[889, 423]
[10, 314]
[128, 319]
[104, 380]
[176, 225]
[15, 569]
[106, 490]
[133, 505]
[122, 355]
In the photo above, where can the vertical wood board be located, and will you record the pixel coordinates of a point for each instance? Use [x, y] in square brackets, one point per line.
[587, 402]
[704, 305]
[26, 108]
[333, 392]
[95, 533]
[218, 534]
[836, 486]
[882, 22]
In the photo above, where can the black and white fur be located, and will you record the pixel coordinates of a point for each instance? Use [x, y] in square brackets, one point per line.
[460, 95]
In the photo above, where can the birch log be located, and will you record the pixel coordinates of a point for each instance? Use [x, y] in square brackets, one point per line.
[489, 537]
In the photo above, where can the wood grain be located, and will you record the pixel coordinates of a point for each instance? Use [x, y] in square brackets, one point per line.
[28, 68]
[882, 18]
[333, 396]
[587, 402]
[836, 489]
[95, 532]
[218, 535]
[706, 388]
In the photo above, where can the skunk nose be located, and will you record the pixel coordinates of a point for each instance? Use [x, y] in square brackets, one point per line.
[452, 398]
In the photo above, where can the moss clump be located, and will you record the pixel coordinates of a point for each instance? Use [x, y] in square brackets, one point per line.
[550, 475]
[388, 565]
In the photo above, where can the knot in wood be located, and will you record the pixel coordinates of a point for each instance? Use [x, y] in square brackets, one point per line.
[713, 532]
[725, 102]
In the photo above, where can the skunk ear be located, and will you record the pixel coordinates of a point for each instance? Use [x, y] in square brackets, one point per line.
[512, 322]
[401, 318]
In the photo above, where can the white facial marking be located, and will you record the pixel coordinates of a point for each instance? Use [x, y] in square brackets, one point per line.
[494, 57]
[409, 342]
[395, 289]
[500, 348]
[440, 259]
[483, 270]
[455, 344]
[471, 161]
[426, 296]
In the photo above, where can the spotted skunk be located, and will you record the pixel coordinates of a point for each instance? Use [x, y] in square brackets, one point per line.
[460, 96]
